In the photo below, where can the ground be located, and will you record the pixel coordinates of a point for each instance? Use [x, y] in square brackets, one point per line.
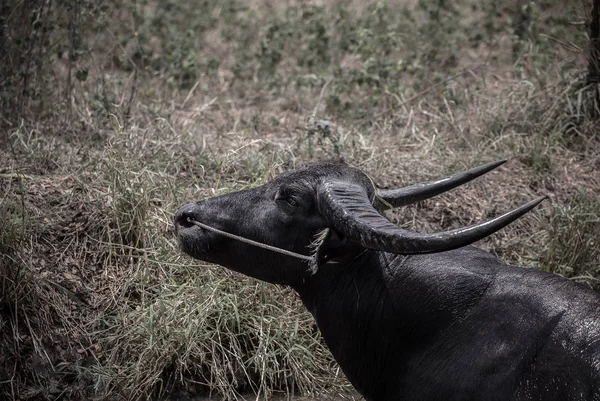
[113, 115]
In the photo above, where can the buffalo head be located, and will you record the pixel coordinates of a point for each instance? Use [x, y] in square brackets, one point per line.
[330, 211]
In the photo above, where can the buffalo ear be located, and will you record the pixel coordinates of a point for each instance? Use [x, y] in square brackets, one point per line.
[332, 246]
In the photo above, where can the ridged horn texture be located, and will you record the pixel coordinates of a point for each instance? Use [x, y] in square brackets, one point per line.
[391, 198]
[347, 208]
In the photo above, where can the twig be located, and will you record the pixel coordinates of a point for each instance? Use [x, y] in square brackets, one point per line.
[314, 113]
[131, 94]
[16, 176]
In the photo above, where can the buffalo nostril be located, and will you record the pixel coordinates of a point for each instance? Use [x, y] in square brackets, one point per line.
[185, 216]
[185, 221]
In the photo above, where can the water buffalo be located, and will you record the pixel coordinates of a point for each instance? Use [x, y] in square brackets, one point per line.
[408, 316]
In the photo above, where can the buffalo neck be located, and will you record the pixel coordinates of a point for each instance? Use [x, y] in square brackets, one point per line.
[382, 309]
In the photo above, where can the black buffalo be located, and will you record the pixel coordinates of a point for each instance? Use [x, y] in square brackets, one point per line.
[407, 316]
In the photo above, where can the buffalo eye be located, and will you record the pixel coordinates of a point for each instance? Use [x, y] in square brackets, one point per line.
[289, 198]
[291, 201]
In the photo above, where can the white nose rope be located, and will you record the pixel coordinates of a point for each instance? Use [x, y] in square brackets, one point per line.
[251, 242]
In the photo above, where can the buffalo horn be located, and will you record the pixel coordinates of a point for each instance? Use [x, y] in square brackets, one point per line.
[391, 198]
[348, 210]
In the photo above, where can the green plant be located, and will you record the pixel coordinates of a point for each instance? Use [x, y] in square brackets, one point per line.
[572, 238]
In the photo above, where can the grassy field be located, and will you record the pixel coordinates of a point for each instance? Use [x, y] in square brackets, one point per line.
[113, 115]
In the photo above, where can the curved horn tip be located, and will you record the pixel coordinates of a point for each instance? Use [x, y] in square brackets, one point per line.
[522, 210]
[491, 165]
[533, 203]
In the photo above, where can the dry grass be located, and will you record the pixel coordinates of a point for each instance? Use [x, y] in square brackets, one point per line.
[96, 298]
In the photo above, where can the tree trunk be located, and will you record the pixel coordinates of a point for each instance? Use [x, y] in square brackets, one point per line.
[594, 61]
